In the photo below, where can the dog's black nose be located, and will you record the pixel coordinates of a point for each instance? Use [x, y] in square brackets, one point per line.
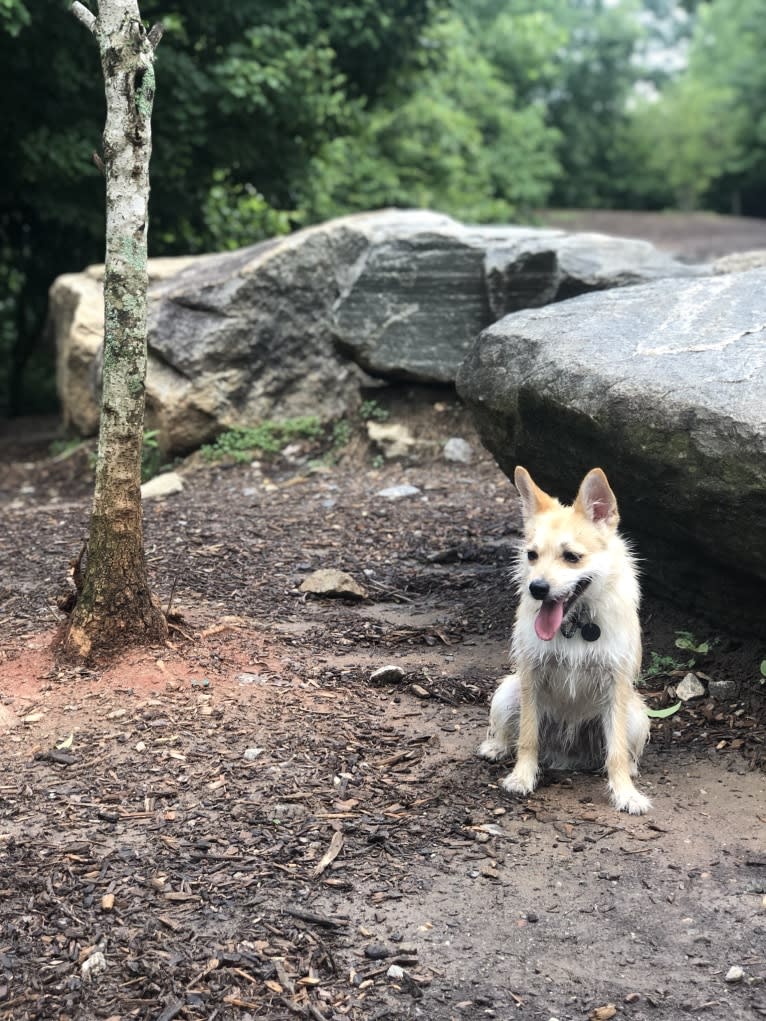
[539, 589]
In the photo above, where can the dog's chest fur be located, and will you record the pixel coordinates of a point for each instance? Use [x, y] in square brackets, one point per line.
[573, 679]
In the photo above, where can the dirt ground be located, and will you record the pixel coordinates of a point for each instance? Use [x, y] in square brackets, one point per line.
[691, 237]
[248, 825]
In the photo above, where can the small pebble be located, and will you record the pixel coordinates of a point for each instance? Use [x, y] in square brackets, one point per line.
[734, 974]
[456, 449]
[531, 916]
[398, 492]
[387, 674]
[95, 964]
[252, 753]
[376, 951]
[689, 688]
[395, 973]
[250, 679]
[723, 689]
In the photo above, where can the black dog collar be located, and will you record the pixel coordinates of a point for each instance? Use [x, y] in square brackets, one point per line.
[590, 632]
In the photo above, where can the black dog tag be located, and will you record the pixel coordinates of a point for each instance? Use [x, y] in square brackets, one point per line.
[591, 632]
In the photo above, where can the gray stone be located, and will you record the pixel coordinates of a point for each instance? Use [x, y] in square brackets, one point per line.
[661, 385]
[329, 582]
[377, 951]
[536, 271]
[734, 974]
[723, 690]
[457, 450]
[689, 688]
[293, 325]
[251, 754]
[250, 679]
[402, 492]
[162, 485]
[388, 674]
[76, 323]
[93, 966]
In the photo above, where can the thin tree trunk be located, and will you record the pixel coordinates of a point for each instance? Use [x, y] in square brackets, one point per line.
[115, 606]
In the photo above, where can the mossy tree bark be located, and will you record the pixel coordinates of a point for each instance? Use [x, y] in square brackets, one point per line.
[115, 606]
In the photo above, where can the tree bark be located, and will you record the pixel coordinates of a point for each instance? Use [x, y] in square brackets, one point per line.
[115, 606]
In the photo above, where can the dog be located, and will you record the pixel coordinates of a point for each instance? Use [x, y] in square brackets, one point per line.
[571, 702]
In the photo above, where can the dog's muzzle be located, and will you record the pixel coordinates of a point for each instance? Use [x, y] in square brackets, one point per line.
[553, 612]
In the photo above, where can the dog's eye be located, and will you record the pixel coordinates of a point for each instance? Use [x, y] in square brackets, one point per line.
[531, 556]
[572, 558]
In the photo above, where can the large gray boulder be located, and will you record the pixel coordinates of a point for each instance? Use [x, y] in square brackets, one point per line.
[76, 321]
[296, 325]
[663, 386]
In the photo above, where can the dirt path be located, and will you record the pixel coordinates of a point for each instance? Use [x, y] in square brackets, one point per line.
[247, 825]
[691, 237]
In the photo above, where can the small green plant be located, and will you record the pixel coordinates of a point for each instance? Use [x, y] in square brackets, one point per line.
[63, 448]
[372, 411]
[341, 433]
[661, 666]
[151, 455]
[243, 444]
[685, 640]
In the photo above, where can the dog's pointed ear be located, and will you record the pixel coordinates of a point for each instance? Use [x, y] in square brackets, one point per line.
[533, 499]
[596, 500]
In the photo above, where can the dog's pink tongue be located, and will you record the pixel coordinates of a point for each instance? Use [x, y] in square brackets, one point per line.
[548, 620]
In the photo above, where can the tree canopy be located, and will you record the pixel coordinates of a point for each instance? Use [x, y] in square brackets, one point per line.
[273, 114]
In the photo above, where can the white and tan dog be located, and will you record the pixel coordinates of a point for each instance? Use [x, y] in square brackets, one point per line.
[572, 703]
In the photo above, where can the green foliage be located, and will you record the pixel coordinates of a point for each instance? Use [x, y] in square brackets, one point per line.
[662, 666]
[243, 444]
[63, 448]
[248, 92]
[594, 73]
[454, 137]
[13, 16]
[685, 142]
[342, 431]
[152, 460]
[663, 714]
[702, 141]
[235, 214]
[685, 640]
[371, 411]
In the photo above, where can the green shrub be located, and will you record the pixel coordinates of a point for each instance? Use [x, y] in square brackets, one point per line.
[242, 444]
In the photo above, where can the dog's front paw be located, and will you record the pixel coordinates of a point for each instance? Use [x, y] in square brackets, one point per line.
[522, 780]
[631, 801]
[493, 749]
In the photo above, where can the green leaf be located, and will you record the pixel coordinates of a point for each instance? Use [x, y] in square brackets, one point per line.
[662, 714]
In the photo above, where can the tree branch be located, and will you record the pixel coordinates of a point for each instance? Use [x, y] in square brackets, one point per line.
[155, 34]
[82, 14]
